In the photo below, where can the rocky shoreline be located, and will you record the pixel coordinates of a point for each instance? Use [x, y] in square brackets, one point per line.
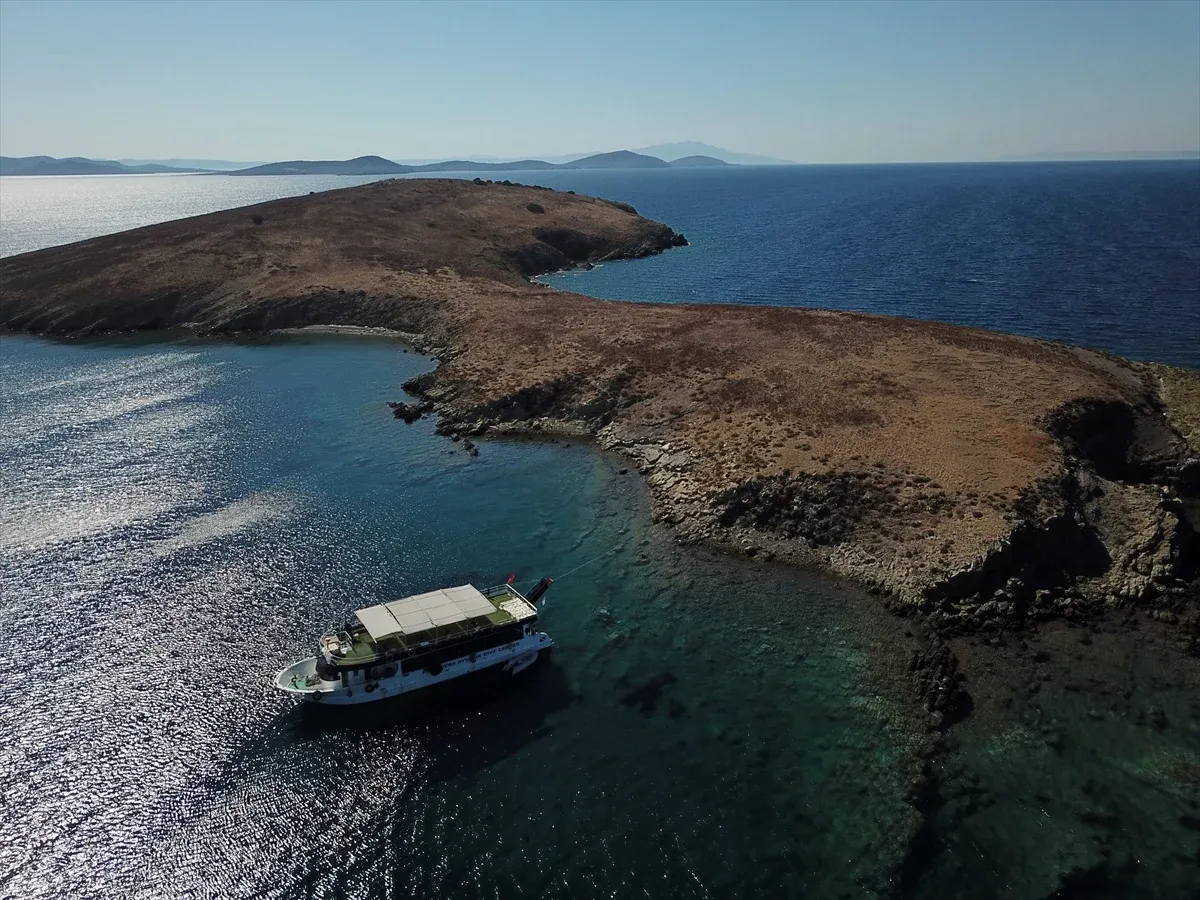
[1116, 528]
[978, 480]
[1109, 543]
[960, 643]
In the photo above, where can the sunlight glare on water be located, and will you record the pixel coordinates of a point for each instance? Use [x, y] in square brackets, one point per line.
[182, 519]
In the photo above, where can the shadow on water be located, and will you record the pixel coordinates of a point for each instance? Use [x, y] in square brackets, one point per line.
[458, 729]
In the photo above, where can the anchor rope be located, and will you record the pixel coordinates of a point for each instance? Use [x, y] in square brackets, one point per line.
[590, 561]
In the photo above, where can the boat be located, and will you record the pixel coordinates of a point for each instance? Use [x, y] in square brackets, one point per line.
[398, 648]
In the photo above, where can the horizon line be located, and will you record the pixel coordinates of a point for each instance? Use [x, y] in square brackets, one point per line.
[1061, 156]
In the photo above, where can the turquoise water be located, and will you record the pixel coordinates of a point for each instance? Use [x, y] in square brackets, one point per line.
[182, 519]
[1077, 774]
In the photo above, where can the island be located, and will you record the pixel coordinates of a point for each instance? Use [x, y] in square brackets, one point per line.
[377, 165]
[698, 162]
[976, 481]
[360, 165]
[79, 165]
[618, 159]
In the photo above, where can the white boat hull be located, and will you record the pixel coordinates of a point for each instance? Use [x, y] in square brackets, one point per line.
[369, 686]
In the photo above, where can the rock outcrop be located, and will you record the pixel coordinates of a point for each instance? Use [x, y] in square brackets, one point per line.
[1074, 543]
[937, 683]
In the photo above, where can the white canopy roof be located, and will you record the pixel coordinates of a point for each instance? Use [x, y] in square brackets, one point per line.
[436, 609]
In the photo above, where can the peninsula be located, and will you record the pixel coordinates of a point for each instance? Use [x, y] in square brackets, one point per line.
[981, 480]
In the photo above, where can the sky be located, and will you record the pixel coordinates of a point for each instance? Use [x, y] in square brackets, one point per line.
[810, 82]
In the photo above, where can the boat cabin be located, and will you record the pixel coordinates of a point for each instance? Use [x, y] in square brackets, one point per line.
[428, 629]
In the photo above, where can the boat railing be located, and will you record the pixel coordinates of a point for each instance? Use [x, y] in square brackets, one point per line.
[505, 589]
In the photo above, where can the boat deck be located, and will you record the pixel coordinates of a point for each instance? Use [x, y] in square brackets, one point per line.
[363, 648]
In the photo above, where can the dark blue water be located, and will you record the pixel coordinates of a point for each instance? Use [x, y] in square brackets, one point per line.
[1105, 255]
[1102, 254]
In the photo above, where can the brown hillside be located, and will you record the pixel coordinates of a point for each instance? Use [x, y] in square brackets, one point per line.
[970, 472]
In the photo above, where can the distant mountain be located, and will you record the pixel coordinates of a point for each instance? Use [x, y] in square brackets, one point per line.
[79, 165]
[360, 165]
[618, 159]
[684, 149]
[377, 165]
[491, 160]
[466, 165]
[214, 165]
[698, 162]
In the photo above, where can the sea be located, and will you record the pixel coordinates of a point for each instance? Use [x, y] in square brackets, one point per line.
[1101, 254]
[179, 518]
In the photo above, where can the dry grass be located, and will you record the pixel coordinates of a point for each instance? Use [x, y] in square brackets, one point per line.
[1179, 390]
[751, 391]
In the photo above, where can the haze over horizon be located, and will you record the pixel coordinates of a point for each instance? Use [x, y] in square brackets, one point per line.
[814, 82]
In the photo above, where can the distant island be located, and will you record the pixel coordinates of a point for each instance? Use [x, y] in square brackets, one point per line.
[699, 162]
[206, 165]
[683, 149]
[360, 165]
[79, 165]
[660, 156]
[377, 165]
[619, 159]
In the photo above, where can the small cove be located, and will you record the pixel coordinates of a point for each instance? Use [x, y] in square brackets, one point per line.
[224, 503]
[204, 510]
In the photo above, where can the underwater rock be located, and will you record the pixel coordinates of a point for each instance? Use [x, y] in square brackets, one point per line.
[1158, 718]
[646, 696]
[618, 638]
[938, 683]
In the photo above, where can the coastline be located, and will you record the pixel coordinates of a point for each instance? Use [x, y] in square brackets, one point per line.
[731, 470]
[941, 466]
[373, 331]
